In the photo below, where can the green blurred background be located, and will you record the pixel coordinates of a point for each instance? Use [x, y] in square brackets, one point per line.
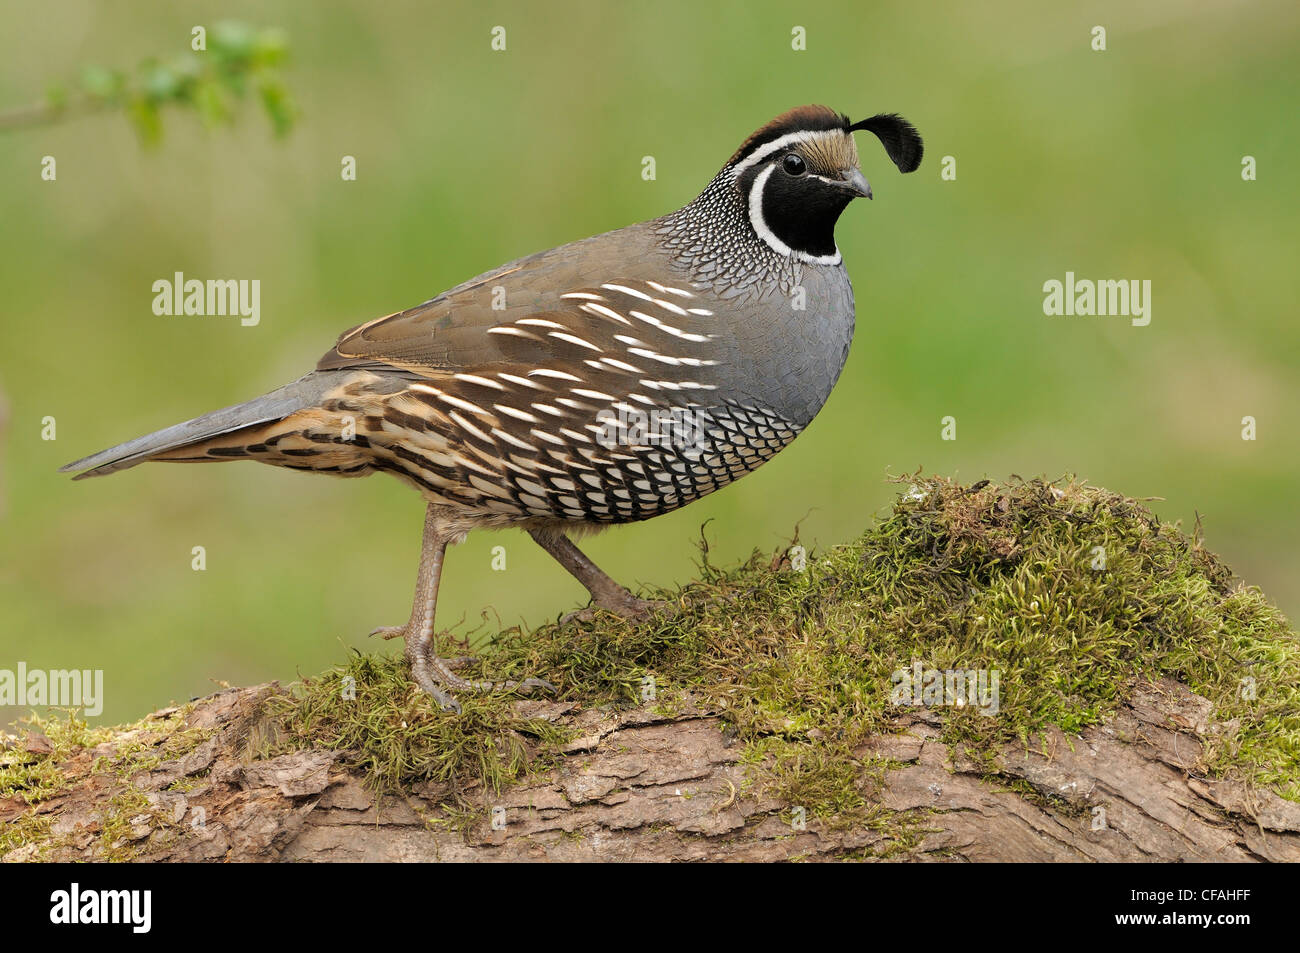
[1120, 164]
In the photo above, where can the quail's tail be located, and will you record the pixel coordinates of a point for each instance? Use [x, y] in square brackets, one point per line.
[202, 438]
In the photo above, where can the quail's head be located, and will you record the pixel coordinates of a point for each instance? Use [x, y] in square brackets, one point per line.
[801, 170]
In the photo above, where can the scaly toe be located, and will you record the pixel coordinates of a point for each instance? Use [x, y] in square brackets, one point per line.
[446, 701]
[437, 677]
[532, 684]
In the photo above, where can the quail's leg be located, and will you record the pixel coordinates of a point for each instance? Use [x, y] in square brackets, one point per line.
[432, 674]
[605, 592]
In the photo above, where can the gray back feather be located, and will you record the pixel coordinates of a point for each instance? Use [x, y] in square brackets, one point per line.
[302, 393]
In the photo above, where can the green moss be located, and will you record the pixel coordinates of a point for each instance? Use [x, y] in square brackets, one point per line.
[1069, 592]
[37, 777]
[398, 736]
[121, 814]
[184, 785]
[824, 780]
[31, 777]
[29, 828]
[1072, 594]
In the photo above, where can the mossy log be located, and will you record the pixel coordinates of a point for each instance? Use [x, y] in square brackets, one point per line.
[1148, 712]
[634, 785]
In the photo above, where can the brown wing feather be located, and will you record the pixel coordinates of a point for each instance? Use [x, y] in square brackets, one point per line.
[447, 333]
[561, 400]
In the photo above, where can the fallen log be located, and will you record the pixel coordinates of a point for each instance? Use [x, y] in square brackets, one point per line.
[1143, 711]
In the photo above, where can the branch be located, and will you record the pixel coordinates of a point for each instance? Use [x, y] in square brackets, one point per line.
[636, 785]
[230, 62]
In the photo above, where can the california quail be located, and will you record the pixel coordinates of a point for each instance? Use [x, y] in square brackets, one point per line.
[605, 381]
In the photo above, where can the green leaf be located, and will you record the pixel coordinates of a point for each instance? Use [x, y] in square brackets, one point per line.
[278, 106]
[232, 40]
[160, 83]
[210, 104]
[238, 57]
[56, 97]
[102, 84]
[271, 48]
[144, 116]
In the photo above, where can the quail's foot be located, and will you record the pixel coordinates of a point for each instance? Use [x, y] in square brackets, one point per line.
[628, 606]
[437, 677]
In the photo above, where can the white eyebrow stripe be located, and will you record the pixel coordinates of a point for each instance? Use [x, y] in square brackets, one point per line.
[628, 291]
[776, 145]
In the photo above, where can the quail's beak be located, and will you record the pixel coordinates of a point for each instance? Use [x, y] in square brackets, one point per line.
[854, 181]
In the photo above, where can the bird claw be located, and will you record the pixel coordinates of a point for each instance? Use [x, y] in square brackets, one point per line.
[435, 676]
[446, 701]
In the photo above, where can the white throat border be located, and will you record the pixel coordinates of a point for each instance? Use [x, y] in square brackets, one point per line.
[756, 200]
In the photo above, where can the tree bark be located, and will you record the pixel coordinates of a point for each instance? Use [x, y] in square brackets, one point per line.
[638, 786]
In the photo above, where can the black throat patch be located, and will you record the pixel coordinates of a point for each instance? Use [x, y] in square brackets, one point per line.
[800, 211]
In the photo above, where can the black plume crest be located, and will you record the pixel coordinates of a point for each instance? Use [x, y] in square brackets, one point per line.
[899, 137]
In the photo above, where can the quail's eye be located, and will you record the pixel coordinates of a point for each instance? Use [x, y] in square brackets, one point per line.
[793, 164]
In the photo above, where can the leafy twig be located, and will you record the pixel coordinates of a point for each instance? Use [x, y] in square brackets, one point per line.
[238, 59]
